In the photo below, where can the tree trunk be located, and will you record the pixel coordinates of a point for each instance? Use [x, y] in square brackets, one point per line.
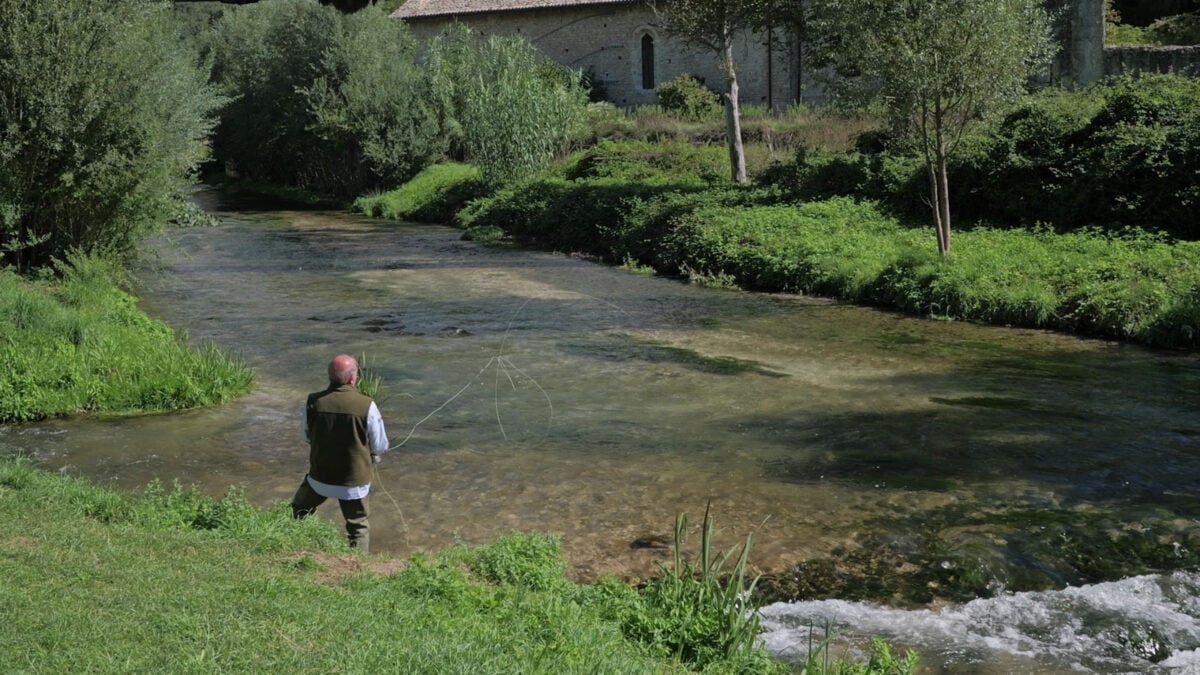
[733, 118]
[943, 196]
[935, 202]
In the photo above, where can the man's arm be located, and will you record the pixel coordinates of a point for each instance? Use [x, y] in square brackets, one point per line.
[376, 435]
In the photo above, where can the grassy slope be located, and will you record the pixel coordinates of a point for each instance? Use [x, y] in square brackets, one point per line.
[95, 582]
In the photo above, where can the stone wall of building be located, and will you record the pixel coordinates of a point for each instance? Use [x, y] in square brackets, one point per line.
[1084, 58]
[625, 49]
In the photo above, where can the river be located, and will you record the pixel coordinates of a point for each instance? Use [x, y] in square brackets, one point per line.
[540, 392]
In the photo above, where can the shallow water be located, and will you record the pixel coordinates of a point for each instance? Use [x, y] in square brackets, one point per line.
[541, 392]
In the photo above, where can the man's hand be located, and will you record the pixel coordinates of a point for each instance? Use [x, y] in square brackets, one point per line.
[376, 459]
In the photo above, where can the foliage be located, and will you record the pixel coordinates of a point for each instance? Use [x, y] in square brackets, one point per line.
[687, 97]
[1136, 286]
[323, 101]
[432, 196]
[1180, 29]
[1118, 154]
[528, 561]
[102, 122]
[80, 344]
[648, 161]
[698, 612]
[510, 109]
[881, 661]
[562, 215]
[838, 247]
[938, 65]
[714, 25]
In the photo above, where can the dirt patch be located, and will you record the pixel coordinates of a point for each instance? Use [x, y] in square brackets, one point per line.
[334, 567]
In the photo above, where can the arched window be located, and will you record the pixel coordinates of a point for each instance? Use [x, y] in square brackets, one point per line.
[647, 61]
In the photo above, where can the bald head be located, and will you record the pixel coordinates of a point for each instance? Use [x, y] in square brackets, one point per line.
[343, 369]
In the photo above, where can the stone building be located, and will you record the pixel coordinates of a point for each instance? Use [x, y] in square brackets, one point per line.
[626, 51]
[621, 44]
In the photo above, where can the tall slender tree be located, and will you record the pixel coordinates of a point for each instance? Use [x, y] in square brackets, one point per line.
[938, 66]
[715, 25]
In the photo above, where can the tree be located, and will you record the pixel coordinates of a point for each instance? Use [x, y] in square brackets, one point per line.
[713, 25]
[323, 101]
[938, 66]
[103, 119]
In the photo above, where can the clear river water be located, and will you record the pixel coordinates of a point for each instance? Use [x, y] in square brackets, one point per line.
[541, 392]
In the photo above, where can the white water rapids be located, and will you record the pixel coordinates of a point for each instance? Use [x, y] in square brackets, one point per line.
[1145, 624]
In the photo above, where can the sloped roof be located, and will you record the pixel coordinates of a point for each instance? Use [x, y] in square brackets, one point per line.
[414, 9]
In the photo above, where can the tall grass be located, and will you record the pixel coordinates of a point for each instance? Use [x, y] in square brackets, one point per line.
[80, 344]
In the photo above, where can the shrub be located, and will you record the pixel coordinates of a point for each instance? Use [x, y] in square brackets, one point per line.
[509, 108]
[645, 160]
[528, 561]
[689, 98]
[563, 215]
[1122, 153]
[323, 101]
[105, 120]
[1181, 29]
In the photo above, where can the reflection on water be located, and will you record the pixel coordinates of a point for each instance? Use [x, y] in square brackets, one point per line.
[541, 392]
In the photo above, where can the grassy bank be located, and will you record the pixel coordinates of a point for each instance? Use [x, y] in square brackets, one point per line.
[174, 581]
[77, 343]
[625, 204]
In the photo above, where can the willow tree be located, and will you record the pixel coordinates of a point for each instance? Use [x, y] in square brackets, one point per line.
[714, 25]
[938, 66]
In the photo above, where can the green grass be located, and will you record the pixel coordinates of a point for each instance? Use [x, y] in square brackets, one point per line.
[77, 343]
[433, 196]
[101, 583]
[170, 580]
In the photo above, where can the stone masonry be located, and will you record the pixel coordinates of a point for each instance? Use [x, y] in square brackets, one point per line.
[621, 43]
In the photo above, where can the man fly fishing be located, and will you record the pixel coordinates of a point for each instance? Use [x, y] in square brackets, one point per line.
[346, 436]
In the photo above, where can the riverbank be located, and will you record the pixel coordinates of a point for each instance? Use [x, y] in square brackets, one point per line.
[172, 580]
[77, 343]
[1133, 286]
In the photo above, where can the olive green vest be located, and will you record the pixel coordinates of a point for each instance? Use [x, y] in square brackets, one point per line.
[339, 452]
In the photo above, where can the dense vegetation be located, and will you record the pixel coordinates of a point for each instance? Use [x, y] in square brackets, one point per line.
[102, 121]
[173, 580]
[75, 342]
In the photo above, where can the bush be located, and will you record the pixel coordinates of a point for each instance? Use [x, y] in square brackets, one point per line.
[689, 98]
[509, 108]
[562, 215]
[105, 120]
[1122, 153]
[326, 102]
[1181, 29]
[645, 160]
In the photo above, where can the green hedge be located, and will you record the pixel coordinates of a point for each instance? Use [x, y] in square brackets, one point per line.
[1124, 153]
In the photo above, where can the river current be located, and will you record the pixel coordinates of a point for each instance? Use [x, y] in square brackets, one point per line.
[541, 392]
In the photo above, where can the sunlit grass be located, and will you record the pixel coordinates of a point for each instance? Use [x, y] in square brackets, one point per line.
[80, 344]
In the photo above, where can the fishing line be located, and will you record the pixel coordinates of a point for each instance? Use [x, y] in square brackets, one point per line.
[503, 364]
